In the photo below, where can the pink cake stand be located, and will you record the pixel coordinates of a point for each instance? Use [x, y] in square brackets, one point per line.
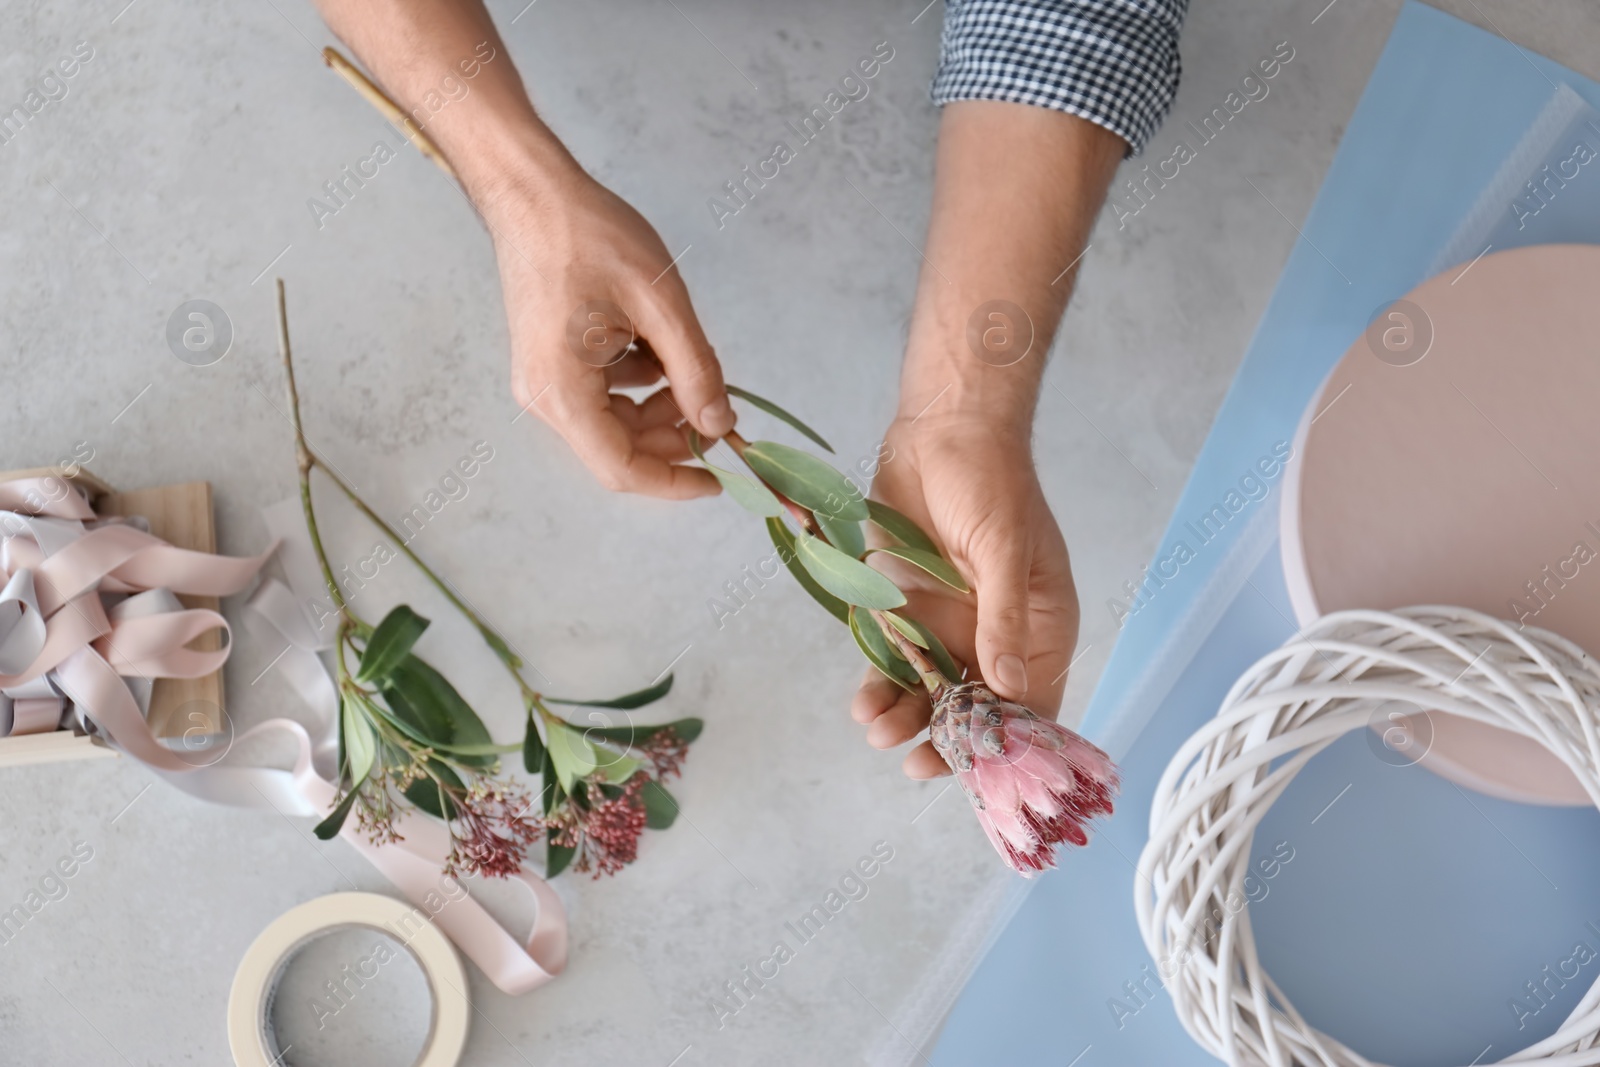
[1453, 457]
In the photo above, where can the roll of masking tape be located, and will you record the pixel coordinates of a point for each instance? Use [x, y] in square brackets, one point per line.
[250, 1034]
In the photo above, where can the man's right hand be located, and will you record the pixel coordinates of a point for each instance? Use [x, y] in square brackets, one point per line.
[583, 274]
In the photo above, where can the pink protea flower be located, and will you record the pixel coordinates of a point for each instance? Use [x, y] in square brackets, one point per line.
[1034, 783]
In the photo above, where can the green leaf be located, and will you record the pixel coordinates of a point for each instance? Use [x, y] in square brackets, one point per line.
[532, 746]
[626, 702]
[899, 527]
[745, 491]
[906, 629]
[806, 480]
[784, 541]
[390, 643]
[426, 723]
[660, 808]
[881, 654]
[936, 651]
[616, 768]
[843, 534]
[425, 792]
[330, 826]
[772, 409]
[632, 736]
[360, 746]
[432, 696]
[845, 576]
[550, 787]
[574, 757]
[931, 562]
[556, 856]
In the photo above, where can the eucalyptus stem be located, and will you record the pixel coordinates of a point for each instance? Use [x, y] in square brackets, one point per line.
[933, 679]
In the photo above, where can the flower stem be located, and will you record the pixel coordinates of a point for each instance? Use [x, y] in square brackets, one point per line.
[932, 678]
[305, 460]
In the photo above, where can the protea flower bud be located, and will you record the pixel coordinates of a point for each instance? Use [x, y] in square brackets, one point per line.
[1034, 783]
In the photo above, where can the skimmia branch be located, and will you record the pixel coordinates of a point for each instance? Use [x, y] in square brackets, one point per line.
[1034, 783]
[408, 738]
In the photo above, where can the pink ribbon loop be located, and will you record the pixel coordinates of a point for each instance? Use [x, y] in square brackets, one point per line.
[152, 646]
[142, 562]
[45, 495]
[54, 573]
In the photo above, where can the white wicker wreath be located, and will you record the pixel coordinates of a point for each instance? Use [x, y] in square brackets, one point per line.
[1292, 704]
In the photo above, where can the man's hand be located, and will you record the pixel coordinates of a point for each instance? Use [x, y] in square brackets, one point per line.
[1016, 192]
[971, 485]
[573, 255]
[583, 274]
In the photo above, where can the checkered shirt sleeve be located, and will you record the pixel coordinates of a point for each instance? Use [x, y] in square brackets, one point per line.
[1113, 62]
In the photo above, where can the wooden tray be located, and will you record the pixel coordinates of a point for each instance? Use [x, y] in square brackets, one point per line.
[181, 515]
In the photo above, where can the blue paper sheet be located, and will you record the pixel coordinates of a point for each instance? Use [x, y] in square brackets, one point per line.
[1416, 919]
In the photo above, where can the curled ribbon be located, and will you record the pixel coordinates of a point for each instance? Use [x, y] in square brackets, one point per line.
[61, 649]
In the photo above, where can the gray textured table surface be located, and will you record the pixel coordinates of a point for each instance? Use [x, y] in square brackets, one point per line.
[179, 166]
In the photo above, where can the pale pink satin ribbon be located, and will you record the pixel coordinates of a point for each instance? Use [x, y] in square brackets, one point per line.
[86, 655]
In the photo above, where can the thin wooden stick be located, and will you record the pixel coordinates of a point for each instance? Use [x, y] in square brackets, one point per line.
[390, 110]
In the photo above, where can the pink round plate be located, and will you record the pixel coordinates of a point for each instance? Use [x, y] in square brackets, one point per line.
[1453, 457]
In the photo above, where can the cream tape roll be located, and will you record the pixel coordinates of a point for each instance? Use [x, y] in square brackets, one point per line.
[250, 1003]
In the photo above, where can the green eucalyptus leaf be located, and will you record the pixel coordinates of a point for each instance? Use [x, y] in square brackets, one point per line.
[936, 651]
[745, 491]
[899, 527]
[909, 632]
[390, 642]
[688, 730]
[532, 746]
[772, 409]
[556, 856]
[360, 745]
[574, 757]
[660, 808]
[783, 540]
[638, 699]
[931, 562]
[845, 576]
[330, 827]
[844, 534]
[806, 480]
[881, 654]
